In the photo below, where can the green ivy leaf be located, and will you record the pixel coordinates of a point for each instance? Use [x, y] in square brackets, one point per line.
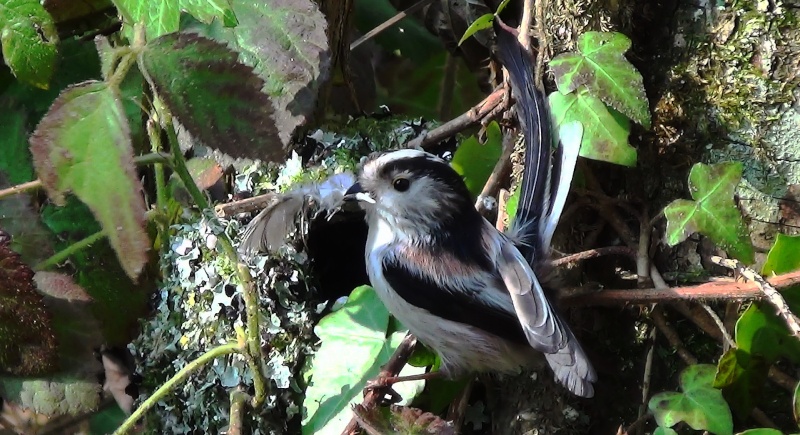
[605, 132]
[760, 331]
[83, 145]
[356, 340]
[475, 161]
[713, 212]
[161, 17]
[29, 39]
[664, 431]
[741, 376]
[783, 257]
[217, 98]
[285, 43]
[699, 405]
[601, 67]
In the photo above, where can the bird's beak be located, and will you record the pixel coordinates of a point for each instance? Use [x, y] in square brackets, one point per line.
[356, 193]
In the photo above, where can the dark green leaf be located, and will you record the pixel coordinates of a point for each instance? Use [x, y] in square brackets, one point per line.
[29, 40]
[741, 376]
[664, 431]
[761, 431]
[601, 67]
[216, 98]
[605, 132]
[475, 161]
[760, 331]
[107, 421]
[83, 145]
[163, 17]
[285, 42]
[783, 257]
[699, 405]
[713, 212]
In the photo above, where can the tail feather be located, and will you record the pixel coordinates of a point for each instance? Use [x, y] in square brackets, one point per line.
[572, 368]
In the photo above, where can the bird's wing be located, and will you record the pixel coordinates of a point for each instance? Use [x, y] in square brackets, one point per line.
[477, 300]
[542, 326]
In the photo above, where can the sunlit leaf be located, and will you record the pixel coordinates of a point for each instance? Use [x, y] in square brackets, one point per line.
[29, 39]
[475, 161]
[83, 146]
[796, 404]
[285, 43]
[783, 257]
[601, 67]
[700, 405]
[761, 431]
[160, 17]
[217, 98]
[356, 340]
[482, 23]
[713, 212]
[605, 132]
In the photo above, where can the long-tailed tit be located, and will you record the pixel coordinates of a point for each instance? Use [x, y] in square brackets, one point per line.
[462, 287]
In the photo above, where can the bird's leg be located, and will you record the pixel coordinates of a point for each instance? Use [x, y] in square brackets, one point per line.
[384, 384]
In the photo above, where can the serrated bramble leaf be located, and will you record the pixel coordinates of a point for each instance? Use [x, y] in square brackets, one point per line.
[29, 39]
[161, 17]
[475, 161]
[605, 133]
[713, 212]
[783, 257]
[356, 340]
[601, 67]
[482, 23]
[83, 146]
[699, 405]
[214, 96]
[286, 44]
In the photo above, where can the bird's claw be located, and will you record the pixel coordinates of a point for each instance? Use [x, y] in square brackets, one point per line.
[383, 387]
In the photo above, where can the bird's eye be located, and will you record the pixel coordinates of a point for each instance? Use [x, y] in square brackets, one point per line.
[401, 184]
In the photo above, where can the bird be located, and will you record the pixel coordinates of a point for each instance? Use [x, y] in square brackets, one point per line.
[457, 283]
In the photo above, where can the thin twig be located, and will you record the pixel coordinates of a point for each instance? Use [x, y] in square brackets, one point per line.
[500, 172]
[524, 36]
[542, 43]
[390, 369]
[464, 121]
[20, 188]
[388, 23]
[458, 407]
[37, 183]
[239, 399]
[64, 254]
[502, 213]
[164, 389]
[769, 291]
[633, 426]
[594, 253]
[725, 335]
[245, 205]
[647, 375]
[672, 337]
[715, 290]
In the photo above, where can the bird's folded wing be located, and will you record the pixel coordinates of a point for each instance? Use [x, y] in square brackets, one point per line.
[542, 326]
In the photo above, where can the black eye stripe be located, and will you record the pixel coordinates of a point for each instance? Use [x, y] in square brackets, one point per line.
[418, 167]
